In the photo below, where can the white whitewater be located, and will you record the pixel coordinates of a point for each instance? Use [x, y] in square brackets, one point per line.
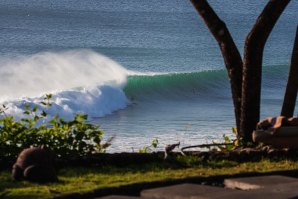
[80, 81]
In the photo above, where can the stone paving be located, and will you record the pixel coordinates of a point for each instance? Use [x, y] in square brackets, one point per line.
[261, 187]
[249, 183]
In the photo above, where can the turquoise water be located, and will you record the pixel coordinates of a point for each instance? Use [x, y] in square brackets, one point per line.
[164, 76]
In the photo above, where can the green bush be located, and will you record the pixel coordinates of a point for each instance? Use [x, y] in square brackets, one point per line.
[65, 138]
[151, 148]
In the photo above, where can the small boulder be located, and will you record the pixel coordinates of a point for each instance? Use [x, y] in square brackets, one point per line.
[35, 164]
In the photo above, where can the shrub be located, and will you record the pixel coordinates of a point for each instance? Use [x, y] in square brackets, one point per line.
[65, 138]
[151, 148]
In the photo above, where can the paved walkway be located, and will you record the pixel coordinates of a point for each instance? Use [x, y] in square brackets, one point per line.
[273, 187]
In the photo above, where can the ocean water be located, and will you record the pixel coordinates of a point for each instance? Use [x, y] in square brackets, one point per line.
[140, 69]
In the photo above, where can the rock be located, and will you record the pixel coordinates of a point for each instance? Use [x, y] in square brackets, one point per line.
[35, 164]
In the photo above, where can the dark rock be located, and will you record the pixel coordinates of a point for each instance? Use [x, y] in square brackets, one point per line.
[35, 164]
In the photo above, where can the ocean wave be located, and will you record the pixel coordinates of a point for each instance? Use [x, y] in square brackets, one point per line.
[95, 101]
[83, 81]
[176, 85]
[33, 75]
[208, 84]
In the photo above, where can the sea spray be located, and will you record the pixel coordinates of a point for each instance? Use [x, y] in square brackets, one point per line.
[46, 72]
[80, 81]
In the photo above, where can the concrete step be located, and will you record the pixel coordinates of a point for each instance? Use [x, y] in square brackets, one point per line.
[273, 187]
[250, 183]
[280, 191]
[184, 191]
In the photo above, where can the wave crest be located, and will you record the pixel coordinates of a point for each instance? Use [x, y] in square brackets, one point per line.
[80, 81]
[31, 76]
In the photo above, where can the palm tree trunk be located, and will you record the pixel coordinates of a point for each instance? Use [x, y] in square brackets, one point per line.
[292, 86]
[252, 66]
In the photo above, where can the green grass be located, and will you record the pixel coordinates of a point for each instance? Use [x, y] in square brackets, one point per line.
[86, 179]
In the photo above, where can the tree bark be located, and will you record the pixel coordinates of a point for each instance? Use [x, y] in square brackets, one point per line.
[252, 66]
[230, 53]
[292, 85]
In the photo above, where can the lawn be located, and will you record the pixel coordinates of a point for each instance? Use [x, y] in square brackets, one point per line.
[83, 179]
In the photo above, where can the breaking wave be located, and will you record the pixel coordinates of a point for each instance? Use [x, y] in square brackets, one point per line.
[83, 81]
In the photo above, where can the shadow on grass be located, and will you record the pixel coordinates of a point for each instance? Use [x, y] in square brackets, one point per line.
[174, 163]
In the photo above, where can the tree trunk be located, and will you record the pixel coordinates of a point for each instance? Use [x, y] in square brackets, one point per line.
[292, 86]
[252, 66]
[230, 53]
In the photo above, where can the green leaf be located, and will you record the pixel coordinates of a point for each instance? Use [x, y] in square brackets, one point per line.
[49, 96]
[34, 108]
[36, 118]
[154, 143]
[26, 112]
[226, 138]
[43, 103]
[234, 130]
[43, 114]
[25, 120]
[236, 142]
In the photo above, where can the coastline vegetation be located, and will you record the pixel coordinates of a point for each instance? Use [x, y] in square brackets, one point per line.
[78, 139]
[75, 137]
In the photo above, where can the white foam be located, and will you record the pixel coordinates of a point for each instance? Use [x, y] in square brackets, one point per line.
[80, 80]
[45, 72]
[95, 101]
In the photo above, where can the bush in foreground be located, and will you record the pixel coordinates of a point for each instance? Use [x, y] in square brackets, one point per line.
[75, 137]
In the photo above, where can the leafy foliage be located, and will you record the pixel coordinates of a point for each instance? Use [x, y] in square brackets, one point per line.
[65, 138]
[151, 148]
[230, 144]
